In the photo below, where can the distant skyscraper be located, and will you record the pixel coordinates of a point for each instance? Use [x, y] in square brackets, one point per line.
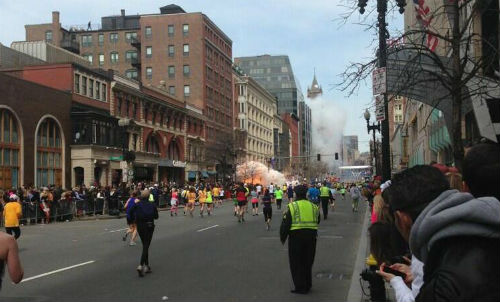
[315, 90]
[275, 74]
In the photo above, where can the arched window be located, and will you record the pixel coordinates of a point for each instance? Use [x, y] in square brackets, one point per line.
[152, 144]
[173, 151]
[49, 154]
[9, 150]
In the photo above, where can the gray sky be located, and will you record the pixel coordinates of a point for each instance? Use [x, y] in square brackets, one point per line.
[307, 31]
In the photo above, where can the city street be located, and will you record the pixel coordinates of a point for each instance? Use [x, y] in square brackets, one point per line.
[193, 259]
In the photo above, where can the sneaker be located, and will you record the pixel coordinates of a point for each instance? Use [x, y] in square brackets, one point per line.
[132, 243]
[140, 271]
[268, 227]
[147, 269]
[124, 237]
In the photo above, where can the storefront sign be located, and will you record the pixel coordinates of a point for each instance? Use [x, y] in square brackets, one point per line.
[117, 158]
[172, 163]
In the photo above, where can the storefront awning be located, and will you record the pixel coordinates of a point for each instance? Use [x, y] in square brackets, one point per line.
[191, 174]
[211, 173]
[204, 174]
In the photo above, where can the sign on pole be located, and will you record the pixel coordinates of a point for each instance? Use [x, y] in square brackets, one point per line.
[379, 107]
[379, 81]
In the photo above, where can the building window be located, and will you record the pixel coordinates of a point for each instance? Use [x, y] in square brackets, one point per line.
[77, 83]
[113, 37]
[185, 29]
[134, 110]
[149, 72]
[131, 36]
[171, 50]
[187, 90]
[101, 59]
[187, 70]
[171, 71]
[132, 74]
[114, 57]
[173, 151]
[91, 88]
[49, 154]
[87, 41]
[171, 30]
[88, 57]
[84, 85]
[152, 145]
[9, 148]
[48, 36]
[148, 32]
[171, 90]
[119, 107]
[97, 90]
[100, 39]
[104, 93]
[149, 51]
[131, 55]
[185, 49]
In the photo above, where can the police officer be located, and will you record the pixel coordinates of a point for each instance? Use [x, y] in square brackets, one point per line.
[300, 225]
[325, 196]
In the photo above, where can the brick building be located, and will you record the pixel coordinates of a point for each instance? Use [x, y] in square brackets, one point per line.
[36, 128]
[184, 53]
[111, 114]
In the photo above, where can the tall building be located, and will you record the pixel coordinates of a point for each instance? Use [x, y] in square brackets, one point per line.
[305, 129]
[350, 152]
[186, 54]
[255, 110]
[275, 74]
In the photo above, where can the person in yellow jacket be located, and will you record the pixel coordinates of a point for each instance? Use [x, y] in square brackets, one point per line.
[300, 226]
[202, 198]
[11, 214]
[209, 201]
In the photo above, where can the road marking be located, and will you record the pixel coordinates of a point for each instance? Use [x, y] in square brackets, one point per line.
[57, 271]
[214, 226]
[114, 231]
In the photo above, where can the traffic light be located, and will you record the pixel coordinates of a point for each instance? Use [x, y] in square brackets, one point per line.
[336, 156]
[318, 156]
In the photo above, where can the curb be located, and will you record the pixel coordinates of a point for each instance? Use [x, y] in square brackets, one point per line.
[355, 293]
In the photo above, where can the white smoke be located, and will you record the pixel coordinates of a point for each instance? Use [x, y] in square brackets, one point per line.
[257, 173]
[327, 129]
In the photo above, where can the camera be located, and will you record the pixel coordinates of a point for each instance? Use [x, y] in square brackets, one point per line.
[368, 274]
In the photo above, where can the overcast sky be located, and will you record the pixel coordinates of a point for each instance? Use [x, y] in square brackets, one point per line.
[307, 31]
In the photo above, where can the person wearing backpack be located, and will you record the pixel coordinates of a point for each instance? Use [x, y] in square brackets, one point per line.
[144, 213]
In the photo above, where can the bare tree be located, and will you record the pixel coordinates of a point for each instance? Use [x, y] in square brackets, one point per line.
[445, 62]
[221, 153]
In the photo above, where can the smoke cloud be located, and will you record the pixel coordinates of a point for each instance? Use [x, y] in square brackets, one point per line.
[257, 173]
[327, 129]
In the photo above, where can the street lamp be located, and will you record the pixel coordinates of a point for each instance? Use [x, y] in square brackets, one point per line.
[383, 35]
[373, 127]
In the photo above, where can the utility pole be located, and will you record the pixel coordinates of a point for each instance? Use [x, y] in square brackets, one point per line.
[382, 62]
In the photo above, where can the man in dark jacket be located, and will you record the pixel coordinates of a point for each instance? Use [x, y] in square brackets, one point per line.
[455, 235]
[144, 213]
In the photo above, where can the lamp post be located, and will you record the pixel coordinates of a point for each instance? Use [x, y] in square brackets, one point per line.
[373, 127]
[383, 35]
[127, 155]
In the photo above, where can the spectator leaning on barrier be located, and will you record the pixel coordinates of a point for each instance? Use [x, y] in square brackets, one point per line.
[455, 235]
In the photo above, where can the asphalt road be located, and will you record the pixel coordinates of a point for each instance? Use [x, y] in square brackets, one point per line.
[193, 259]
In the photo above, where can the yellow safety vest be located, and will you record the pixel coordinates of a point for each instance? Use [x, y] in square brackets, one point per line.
[209, 197]
[304, 215]
[324, 192]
